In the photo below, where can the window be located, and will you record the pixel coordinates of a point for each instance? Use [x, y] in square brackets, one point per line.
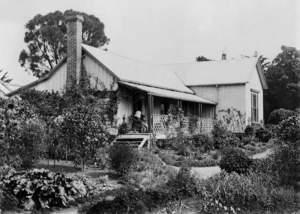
[254, 107]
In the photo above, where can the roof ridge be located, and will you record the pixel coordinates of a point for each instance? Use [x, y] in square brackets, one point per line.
[219, 60]
[121, 56]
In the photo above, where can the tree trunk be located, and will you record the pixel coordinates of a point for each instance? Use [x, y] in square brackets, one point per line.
[82, 165]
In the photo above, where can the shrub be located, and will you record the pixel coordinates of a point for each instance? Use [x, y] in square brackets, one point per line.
[31, 142]
[183, 185]
[246, 140]
[202, 141]
[222, 137]
[235, 161]
[127, 200]
[289, 130]
[278, 115]
[249, 131]
[248, 192]
[101, 158]
[149, 171]
[287, 164]
[263, 135]
[181, 143]
[122, 157]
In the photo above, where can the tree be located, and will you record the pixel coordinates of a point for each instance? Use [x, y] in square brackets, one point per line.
[83, 129]
[202, 59]
[283, 76]
[5, 78]
[46, 39]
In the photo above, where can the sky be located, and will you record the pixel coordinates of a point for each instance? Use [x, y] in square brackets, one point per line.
[164, 31]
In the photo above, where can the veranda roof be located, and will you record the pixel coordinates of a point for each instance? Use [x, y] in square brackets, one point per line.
[168, 93]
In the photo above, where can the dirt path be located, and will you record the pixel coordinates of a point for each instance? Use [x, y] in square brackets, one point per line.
[263, 154]
[207, 172]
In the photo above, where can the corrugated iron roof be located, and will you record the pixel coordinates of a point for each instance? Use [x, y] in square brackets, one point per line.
[215, 72]
[168, 93]
[135, 71]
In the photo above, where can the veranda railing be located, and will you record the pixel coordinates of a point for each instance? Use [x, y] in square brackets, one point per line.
[163, 124]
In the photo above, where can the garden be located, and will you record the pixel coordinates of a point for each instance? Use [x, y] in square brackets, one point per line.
[57, 153]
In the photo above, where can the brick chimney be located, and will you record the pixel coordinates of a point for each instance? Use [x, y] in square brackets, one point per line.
[74, 41]
[224, 54]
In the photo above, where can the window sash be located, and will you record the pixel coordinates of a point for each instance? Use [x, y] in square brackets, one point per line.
[254, 107]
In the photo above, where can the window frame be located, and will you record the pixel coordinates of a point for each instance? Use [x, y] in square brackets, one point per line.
[254, 107]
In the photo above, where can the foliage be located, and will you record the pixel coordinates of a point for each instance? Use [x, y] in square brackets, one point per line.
[149, 171]
[203, 141]
[211, 206]
[278, 115]
[5, 78]
[289, 130]
[122, 157]
[13, 116]
[202, 59]
[249, 130]
[83, 125]
[31, 144]
[246, 140]
[123, 128]
[248, 192]
[180, 161]
[286, 164]
[193, 124]
[46, 39]
[282, 78]
[235, 161]
[263, 135]
[44, 189]
[222, 137]
[128, 200]
[48, 104]
[101, 158]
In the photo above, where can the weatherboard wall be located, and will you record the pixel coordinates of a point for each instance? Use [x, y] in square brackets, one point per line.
[56, 82]
[105, 79]
[254, 84]
[226, 96]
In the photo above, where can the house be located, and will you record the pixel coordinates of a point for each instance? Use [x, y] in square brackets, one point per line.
[197, 88]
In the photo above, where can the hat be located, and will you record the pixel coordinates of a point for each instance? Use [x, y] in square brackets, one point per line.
[138, 114]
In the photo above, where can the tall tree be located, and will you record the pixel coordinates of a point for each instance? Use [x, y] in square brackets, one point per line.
[283, 78]
[5, 78]
[46, 39]
[202, 59]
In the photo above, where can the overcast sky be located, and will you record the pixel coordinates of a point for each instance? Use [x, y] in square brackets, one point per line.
[164, 31]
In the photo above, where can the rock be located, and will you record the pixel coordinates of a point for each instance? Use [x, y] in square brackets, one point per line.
[29, 205]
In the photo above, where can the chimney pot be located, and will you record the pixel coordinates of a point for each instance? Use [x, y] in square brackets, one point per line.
[74, 41]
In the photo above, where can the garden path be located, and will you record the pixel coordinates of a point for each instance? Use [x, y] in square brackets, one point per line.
[207, 172]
